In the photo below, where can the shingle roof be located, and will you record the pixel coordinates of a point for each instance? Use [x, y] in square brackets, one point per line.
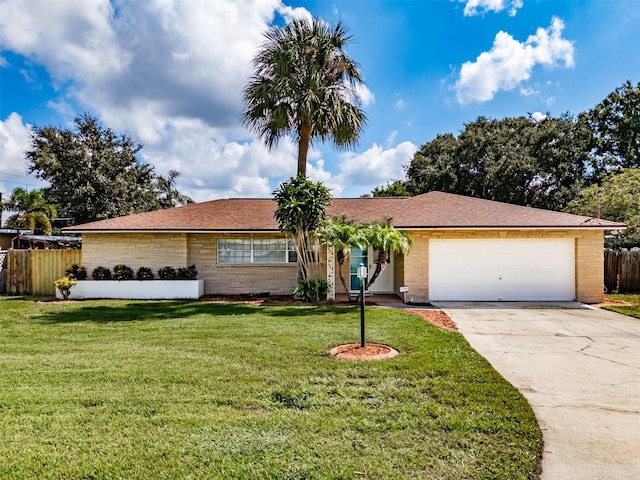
[429, 210]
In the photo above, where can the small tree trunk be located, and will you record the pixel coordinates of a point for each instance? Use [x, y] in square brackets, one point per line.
[381, 262]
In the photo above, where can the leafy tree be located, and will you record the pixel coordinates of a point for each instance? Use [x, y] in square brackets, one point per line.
[341, 234]
[514, 160]
[168, 195]
[301, 209]
[32, 211]
[94, 173]
[615, 123]
[395, 188]
[305, 86]
[384, 238]
[618, 199]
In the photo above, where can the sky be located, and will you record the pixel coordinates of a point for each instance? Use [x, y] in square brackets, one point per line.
[170, 74]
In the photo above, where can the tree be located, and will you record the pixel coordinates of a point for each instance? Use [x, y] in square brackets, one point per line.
[341, 234]
[394, 188]
[617, 199]
[168, 195]
[32, 211]
[384, 238]
[305, 86]
[301, 209]
[514, 160]
[615, 124]
[94, 173]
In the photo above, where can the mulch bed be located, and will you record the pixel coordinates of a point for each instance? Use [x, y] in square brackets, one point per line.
[370, 351]
[437, 318]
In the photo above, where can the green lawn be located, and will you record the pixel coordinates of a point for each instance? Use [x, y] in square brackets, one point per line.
[117, 389]
[633, 309]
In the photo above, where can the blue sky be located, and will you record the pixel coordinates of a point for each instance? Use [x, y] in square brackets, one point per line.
[171, 73]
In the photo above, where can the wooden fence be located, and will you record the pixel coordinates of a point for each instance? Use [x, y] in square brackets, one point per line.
[32, 272]
[622, 271]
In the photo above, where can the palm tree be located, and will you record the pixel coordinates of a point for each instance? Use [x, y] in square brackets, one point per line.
[304, 85]
[300, 211]
[385, 238]
[168, 195]
[341, 234]
[31, 210]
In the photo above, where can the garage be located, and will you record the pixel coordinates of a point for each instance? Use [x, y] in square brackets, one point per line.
[505, 269]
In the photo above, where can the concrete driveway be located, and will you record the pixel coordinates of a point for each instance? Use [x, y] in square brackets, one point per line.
[579, 367]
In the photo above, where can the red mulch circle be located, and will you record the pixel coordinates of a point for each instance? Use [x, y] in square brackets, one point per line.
[371, 351]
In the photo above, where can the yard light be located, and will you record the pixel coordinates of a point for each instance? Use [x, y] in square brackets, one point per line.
[363, 276]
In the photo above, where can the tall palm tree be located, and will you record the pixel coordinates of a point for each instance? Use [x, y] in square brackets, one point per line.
[305, 85]
[341, 234]
[385, 238]
[31, 209]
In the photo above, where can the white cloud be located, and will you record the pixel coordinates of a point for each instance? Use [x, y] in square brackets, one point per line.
[169, 73]
[14, 140]
[538, 117]
[510, 62]
[365, 95]
[375, 165]
[15, 137]
[472, 6]
[399, 105]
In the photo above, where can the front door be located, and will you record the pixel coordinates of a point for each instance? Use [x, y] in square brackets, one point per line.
[384, 283]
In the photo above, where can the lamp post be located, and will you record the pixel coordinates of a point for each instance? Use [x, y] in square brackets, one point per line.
[363, 276]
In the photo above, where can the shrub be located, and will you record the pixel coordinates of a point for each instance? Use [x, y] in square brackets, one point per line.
[101, 273]
[188, 273]
[311, 290]
[122, 272]
[144, 273]
[76, 271]
[64, 285]
[167, 273]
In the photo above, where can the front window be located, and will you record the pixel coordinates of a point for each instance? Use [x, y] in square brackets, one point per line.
[256, 250]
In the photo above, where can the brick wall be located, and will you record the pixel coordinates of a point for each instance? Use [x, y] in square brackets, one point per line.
[276, 279]
[156, 250]
[153, 250]
[590, 267]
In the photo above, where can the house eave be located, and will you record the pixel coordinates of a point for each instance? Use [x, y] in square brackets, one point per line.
[517, 227]
[400, 227]
[176, 230]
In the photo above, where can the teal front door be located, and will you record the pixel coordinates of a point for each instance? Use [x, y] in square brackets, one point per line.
[368, 256]
[358, 256]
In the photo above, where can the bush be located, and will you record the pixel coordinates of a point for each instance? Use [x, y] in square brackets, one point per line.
[311, 290]
[188, 273]
[167, 273]
[76, 271]
[144, 273]
[101, 273]
[122, 272]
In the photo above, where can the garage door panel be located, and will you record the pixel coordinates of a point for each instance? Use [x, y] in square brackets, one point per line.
[501, 269]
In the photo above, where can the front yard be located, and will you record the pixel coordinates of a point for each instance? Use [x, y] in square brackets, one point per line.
[115, 389]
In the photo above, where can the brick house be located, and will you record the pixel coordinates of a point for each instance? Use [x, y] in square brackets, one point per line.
[464, 248]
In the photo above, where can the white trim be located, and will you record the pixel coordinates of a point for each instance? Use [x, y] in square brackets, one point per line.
[331, 272]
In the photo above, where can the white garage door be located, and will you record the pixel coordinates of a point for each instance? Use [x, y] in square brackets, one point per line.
[501, 269]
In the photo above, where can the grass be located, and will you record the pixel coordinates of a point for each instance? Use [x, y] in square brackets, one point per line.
[117, 389]
[633, 309]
